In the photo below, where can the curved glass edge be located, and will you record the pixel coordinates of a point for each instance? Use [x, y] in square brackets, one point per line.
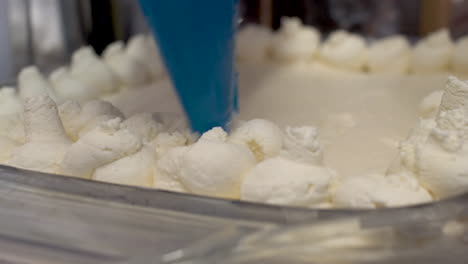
[57, 219]
[42, 225]
[172, 201]
[192, 204]
[432, 234]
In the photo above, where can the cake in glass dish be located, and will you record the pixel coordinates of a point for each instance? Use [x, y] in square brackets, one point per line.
[324, 122]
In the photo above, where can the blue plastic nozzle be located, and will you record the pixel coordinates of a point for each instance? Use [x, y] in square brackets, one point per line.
[196, 39]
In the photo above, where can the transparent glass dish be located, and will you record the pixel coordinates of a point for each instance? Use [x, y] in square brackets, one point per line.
[55, 219]
[436, 233]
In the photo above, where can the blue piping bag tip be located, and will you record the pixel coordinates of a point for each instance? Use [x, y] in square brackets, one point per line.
[196, 39]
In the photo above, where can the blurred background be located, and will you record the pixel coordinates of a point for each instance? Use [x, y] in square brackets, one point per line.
[46, 32]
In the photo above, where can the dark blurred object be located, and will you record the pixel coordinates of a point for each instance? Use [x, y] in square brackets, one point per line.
[409, 14]
[102, 32]
[128, 19]
[319, 14]
[459, 18]
[352, 15]
[435, 14]
[249, 12]
[368, 17]
[111, 20]
[287, 9]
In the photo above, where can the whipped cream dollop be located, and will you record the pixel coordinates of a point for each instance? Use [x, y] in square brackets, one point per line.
[10, 102]
[89, 69]
[429, 106]
[345, 50]
[390, 55]
[130, 71]
[294, 41]
[213, 166]
[380, 191]
[262, 137]
[286, 182]
[140, 169]
[31, 83]
[106, 143]
[166, 141]
[441, 160]
[253, 43]
[12, 126]
[46, 141]
[136, 170]
[168, 166]
[406, 160]
[433, 53]
[68, 87]
[302, 144]
[144, 126]
[435, 152]
[79, 119]
[144, 50]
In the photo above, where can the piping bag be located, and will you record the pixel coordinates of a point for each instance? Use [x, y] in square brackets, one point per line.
[196, 41]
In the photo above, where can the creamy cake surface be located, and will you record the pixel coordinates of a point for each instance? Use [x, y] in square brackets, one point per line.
[331, 123]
